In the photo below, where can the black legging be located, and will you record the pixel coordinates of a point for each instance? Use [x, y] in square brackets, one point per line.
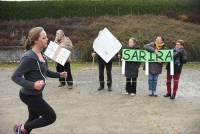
[131, 84]
[40, 112]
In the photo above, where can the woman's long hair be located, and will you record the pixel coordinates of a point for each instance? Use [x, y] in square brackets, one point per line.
[33, 35]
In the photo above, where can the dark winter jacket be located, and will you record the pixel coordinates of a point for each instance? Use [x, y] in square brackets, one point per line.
[131, 67]
[30, 70]
[180, 58]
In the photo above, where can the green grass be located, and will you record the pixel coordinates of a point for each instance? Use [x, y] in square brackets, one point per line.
[75, 65]
[8, 65]
[86, 65]
[69, 8]
[192, 65]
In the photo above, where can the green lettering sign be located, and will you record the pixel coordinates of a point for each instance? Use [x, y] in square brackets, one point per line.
[143, 55]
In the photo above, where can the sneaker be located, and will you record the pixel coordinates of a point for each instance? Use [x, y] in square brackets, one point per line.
[173, 97]
[132, 94]
[17, 128]
[70, 87]
[167, 95]
[150, 95]
[109, 89]
[100, 88]
[126, 93]
[155, 95]
[61, 85]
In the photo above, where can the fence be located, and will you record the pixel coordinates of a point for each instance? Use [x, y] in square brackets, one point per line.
[14, 53]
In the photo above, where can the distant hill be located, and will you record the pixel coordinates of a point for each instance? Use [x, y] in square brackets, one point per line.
[83, 30]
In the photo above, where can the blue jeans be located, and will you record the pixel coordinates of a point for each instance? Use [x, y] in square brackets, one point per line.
[153, 82]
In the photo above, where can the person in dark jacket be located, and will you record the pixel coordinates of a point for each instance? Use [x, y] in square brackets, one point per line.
[180, 58]
[31, 75]
[131, 70]
[155, 68]
[102, 64]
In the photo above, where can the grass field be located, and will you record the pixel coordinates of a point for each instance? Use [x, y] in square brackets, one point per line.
[86, 65]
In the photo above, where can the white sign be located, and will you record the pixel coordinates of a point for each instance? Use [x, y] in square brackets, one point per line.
[57, 53]
[106, 45]
[123, 66]
[171, 68]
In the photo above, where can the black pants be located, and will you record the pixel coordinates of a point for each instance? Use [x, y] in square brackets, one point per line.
[40, 112]
[66, 68]
[101, 73]
[131, 84]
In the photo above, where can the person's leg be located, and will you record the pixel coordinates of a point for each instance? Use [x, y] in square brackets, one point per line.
[101, 75]
[155, 79]
[134, 85]
[131, 85]
[32, 115]
[176, 78]
[128, 85]
[150, 83]
[109, 74]
[37, 106]
[47, 115]
[69, 78]
[60, 68]
[168, 84]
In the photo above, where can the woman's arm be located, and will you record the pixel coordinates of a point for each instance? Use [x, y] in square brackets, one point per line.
[150, 47]
[25, 66]
[52, 74]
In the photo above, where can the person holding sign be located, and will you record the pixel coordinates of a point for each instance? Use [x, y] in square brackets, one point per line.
[105, 46]
[131, 70]
[31, 75]
[155, 68]
[102, 64]
[179, 59]
[64, 42]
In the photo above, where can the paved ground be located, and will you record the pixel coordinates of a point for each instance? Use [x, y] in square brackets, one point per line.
[84, 110]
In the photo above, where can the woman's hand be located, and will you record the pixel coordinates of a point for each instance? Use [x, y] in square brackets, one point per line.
[93, 55]
[63, 74]
[38, 85]
[119, 56]
[156, 51]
